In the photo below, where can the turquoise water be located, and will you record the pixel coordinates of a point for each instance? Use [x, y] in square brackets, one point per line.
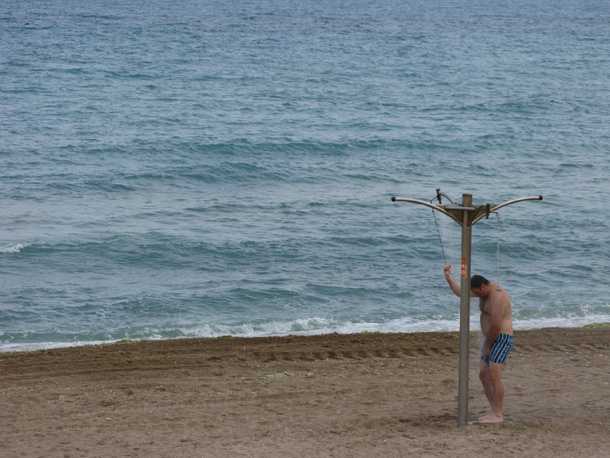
[219, 168]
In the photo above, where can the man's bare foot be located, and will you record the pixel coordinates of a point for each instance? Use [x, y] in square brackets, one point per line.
[491, 419]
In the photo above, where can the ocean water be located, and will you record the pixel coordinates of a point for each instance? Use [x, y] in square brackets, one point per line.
[215, 168]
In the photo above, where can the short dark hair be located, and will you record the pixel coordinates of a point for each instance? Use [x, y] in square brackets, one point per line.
[477, 281]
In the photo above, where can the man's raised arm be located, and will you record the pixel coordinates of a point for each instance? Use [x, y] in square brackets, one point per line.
[455, 287]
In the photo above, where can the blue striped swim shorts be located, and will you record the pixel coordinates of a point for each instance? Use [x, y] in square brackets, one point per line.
[499, 350]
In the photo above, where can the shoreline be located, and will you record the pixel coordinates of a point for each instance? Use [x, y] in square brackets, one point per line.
[36, 347]
[339, 395]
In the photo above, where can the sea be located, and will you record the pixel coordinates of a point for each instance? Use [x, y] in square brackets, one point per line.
[207, 168]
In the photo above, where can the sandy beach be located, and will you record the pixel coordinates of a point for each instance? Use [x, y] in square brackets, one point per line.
[337, 395]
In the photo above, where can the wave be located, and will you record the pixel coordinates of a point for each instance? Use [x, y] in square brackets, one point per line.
[10, 347]
[12, 249]
[121, 247]
[241, 147]
[237, 162]
[299, 327]
[138, 247]
[96, 185]
[98, 17]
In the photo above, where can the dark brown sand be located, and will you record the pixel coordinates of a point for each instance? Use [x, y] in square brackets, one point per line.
[339, 395]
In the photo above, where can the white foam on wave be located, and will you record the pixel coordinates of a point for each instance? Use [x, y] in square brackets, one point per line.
[10, 347]
[10, 249]
[565, 322]
[320, 326]
[317, 325]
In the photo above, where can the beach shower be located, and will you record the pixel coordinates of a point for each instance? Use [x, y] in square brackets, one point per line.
[466, 215]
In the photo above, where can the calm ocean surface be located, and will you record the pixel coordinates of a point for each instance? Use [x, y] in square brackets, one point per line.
[224, 168]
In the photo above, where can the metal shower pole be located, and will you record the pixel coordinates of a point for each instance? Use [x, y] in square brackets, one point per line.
[466, 215]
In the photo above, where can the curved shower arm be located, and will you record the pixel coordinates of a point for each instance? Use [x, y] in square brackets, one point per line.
[504, 204]
[425, 204]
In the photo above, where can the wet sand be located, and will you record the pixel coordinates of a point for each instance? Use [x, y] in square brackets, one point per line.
[357, 395]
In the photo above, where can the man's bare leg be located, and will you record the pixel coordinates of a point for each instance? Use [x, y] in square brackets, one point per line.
[497, 394]
[485, 378]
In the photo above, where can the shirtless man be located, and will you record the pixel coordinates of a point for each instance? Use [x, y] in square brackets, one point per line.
[497, 329]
